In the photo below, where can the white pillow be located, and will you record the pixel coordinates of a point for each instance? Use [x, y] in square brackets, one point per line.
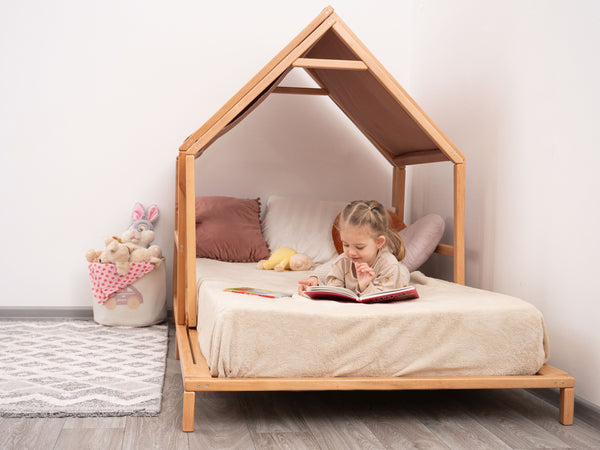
[303, 224]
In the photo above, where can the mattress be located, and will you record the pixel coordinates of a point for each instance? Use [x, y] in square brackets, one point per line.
[451, 330]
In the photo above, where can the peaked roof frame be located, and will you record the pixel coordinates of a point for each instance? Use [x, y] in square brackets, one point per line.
[347, 72]
[294, 55]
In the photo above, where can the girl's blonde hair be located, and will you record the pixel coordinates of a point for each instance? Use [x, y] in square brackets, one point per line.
[372, 214]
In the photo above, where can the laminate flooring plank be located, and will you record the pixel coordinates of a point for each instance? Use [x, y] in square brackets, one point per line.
[90, 438]
[452, 424]
[287, 440]
[95, 422]
[164, 430]
[332, 425]
[391, 417]
[22, 434]
[509, 425]
[580, 435]
[271, 412]
[398, 431]
[219, 422]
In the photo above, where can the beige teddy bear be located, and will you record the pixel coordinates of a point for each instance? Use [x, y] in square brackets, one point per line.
[121, 254]
[93, 256]
[141, 254]
[115, 252]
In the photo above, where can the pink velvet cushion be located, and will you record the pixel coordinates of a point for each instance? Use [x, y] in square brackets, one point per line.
[228, 229]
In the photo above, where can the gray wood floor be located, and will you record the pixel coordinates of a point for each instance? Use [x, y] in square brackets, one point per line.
[502, 419]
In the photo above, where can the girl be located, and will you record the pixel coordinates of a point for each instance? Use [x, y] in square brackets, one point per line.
[372, 252]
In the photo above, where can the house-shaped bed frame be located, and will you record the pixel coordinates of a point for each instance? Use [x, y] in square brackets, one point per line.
[381, 109]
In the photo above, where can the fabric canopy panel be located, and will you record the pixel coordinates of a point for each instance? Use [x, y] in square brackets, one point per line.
[365, 100]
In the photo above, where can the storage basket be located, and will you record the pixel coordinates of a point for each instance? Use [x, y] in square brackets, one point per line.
[139, 304]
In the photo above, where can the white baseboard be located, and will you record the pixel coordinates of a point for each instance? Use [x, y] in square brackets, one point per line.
[35, 312]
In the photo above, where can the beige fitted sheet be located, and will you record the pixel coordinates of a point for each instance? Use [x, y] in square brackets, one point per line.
[450, 330]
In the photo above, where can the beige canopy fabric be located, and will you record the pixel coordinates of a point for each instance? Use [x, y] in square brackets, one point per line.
[359, 85]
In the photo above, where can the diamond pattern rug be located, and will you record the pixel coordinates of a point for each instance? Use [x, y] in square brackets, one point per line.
[59, 368]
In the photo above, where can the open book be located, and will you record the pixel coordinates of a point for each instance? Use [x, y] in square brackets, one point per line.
[340, 293]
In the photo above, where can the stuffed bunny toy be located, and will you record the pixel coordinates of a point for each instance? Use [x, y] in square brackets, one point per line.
[141, 230]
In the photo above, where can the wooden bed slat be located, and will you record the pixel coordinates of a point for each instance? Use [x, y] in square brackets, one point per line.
[201, 383]
[185, 352]
[420, 157]
[300, 90]
[446, 250]
[339, 64]
[201, 366]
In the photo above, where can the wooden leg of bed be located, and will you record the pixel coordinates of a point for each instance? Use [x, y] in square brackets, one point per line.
[189, 405]
[566, 410]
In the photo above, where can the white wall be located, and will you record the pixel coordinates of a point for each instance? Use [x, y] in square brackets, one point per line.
[95, 99]
[514, 85]
[298, 146]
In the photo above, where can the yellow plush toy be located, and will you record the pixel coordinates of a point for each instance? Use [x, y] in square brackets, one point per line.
[286, 258]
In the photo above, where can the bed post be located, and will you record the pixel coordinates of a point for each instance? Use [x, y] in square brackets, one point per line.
[190, 240]
[189, 407]
[566, 409]
[179, 241]
[459, 223]
[399, 190]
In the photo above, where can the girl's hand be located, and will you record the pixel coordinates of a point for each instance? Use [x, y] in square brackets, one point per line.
[310, 281]
[364, 275]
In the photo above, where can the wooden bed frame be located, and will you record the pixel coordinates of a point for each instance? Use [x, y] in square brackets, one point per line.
[340, 64]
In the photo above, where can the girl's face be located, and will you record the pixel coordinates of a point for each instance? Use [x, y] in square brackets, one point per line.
[359, 244]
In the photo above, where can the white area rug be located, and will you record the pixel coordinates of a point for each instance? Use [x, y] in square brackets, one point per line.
[58, 368]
